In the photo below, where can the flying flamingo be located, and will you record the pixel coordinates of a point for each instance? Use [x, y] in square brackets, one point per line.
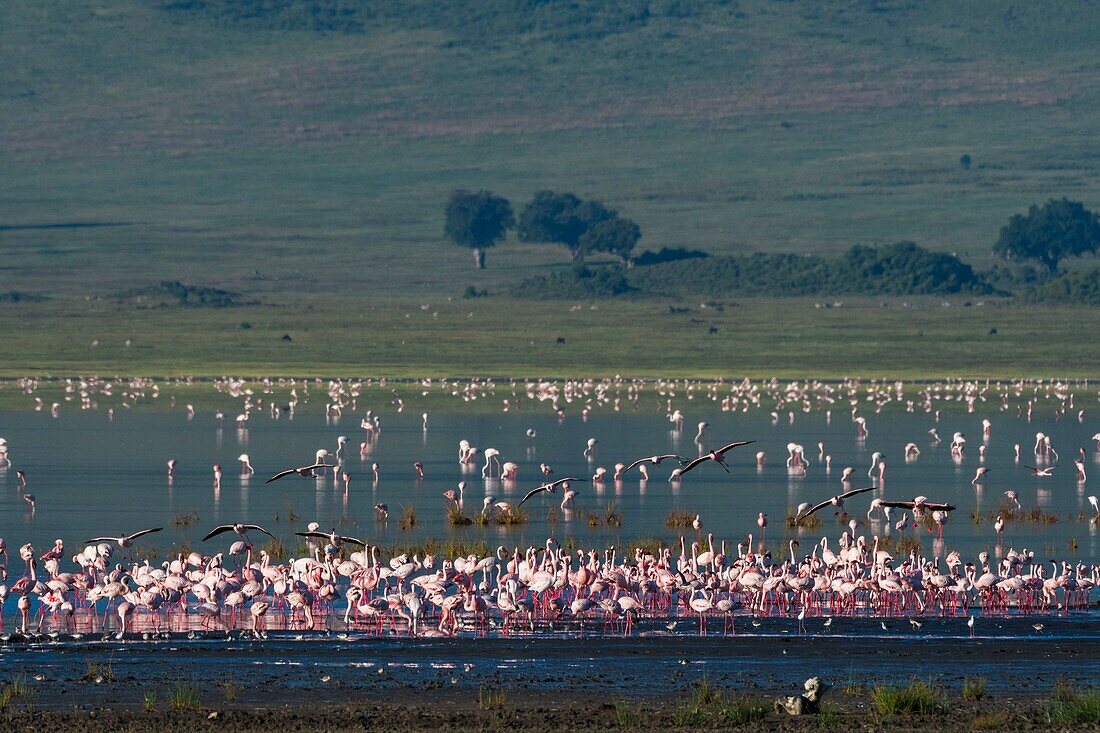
[805, 510]
[550, 487]
[126, 541]
[715, 455]
[240, 529]
[1041, 472]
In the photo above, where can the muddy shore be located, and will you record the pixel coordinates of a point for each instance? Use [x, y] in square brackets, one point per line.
[416, 710]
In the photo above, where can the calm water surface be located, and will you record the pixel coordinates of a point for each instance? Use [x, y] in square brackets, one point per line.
[94, 476]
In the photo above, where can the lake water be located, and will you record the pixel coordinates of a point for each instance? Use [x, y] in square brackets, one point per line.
[97, 476]
[92, 475]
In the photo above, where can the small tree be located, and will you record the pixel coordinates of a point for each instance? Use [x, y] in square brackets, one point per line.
[561, 218]
[615, 236]
[1056, 230]
[478, 221]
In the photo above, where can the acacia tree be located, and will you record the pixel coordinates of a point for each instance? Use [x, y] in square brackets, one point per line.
[616, 236]
[560, 218]
[1049, 233]
[478, 221]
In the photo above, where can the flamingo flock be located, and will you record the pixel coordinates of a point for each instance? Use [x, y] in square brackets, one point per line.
[533, 589]
[341, 583]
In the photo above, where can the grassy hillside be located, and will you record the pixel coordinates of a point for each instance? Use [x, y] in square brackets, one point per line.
[299, 153]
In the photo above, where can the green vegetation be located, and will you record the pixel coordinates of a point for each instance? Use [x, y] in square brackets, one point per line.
[677, 519]
[758, 337]
[565, 219]
[1071, 706]
[990, 721]
[578, 283]
[491, 698]
[1081, 287]
[916, 697]
[185, 697]
[297, 155]
[709, 705]
[627, 716]
[171, 293]
[230, 690]
[1050, 233]
[14, 296]
[898, 269]
[408, 518]
[973, 688]
[99, 673]
[15, 689]
[456, 517]
[477, 221]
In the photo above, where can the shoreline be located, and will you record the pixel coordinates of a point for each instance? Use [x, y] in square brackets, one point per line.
[409, 710]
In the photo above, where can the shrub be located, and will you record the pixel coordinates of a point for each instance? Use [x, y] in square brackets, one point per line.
[579, 282]
[668, 254]
[1078, 287]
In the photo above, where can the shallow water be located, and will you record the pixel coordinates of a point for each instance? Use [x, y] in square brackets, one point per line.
[1012, 657]
[94, 476]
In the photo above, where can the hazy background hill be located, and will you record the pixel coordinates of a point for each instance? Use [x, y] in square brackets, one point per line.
[294, 151]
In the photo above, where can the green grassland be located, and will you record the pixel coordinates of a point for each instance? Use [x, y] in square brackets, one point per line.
[302, 160]
[505, 337]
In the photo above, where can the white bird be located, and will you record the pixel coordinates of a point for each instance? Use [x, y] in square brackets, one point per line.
[125, 541]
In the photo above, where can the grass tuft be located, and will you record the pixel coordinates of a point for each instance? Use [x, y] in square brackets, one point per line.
[990, 721]
[811, 522]
[916, 697]
[627, 715]
[185, 697]
[1071, 706]
[676, 519]
[974, 688]
[230, 690]
[491, 698]
[612, 517]
[99, 673]
[512, 517]
[744, 711]
[408, 518]
[186, 520]
[456, 517]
